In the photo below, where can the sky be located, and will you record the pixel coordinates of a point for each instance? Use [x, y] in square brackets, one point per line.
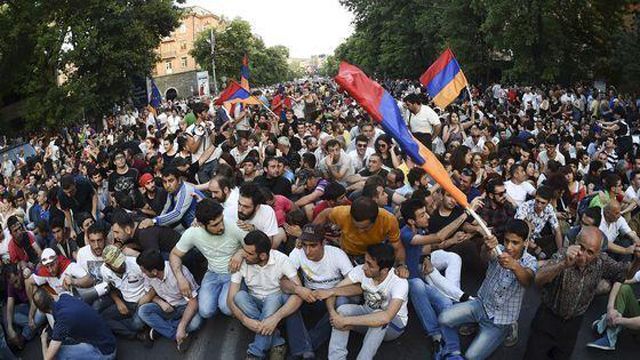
[306, 27]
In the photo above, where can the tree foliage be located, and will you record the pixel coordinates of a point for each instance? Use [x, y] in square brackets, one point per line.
[516, 40]
[99, 46]
[267, 65]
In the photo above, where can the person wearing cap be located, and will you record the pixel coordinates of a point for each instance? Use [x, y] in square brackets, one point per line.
[181, 201]
[262, 306]
[220, 240]
[321, 267]
[59, 273]
[170, 314]
[154, 197]
[126, 279]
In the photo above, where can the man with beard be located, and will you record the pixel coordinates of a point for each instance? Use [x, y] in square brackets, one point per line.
[127, 233]
[254, 214]
[263, 306]
[273, 180]
[223, 190]
[220, 240]
[497, 210]
[90, 259]
[154, 197]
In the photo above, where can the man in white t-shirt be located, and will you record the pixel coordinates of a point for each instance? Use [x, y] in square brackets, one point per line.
[423, 121]
[263, 306]
[613, 226]
[322, 267]
[384, 314]
[551, 153]
[90, 259]
[254, 214]
[59, 273]
[518, 188]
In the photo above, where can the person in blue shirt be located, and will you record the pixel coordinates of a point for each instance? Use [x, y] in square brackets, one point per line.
[74, 319]
[428, 301]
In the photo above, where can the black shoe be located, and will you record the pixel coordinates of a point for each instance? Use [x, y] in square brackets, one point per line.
[145, 339]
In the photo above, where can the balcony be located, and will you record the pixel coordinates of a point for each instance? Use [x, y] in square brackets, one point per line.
[168, 54]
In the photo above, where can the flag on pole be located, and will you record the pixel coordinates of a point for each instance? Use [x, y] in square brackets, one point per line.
[383, 108]
[444, 79]
[244, 72]
[233, 91]
[155, 98]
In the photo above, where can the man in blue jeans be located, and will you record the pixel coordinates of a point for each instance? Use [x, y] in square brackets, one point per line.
[511, 270]
[322, 267]
[75, 320]
[427, 300]
[168, 313]
[263, 305]
[220, 242]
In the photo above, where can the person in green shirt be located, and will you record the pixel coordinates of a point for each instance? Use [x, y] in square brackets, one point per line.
[220, 241]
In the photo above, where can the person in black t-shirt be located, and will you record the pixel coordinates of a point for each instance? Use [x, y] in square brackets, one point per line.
[154, 196]
[272, 180]
[77, 194]
[124, 180]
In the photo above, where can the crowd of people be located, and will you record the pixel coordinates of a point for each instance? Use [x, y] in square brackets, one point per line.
[305, 221]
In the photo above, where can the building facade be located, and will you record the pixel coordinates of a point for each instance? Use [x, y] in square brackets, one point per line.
[174, 49]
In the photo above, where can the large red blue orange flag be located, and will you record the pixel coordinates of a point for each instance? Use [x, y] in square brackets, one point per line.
[444, 79]
[383, 108]
[244, 73]
[233, 91]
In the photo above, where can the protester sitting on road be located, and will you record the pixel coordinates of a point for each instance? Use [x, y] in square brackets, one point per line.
[383, 316]
[497, 307]
[321, 267]
[78, 331]
[169, 314]
[263, 305]
[220, 241]
[127, 281]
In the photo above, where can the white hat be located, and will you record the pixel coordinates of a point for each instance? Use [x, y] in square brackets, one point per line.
[48, 256]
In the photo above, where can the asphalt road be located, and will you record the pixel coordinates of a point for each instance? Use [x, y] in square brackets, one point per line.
[223, 338]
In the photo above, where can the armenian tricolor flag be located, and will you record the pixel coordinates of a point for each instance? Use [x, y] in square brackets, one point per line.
[444, 79]
[233, 91]
[383, 108]
[244, 73]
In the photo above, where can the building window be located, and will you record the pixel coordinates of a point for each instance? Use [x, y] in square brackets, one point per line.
[183, 45]
[183, 62]
[168, 66]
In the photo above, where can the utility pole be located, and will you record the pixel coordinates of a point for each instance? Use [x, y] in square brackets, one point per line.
[213, 61]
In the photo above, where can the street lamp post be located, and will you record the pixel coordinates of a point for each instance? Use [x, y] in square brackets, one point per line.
[213, 62]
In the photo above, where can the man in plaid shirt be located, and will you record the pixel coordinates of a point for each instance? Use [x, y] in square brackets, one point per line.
[499, 299]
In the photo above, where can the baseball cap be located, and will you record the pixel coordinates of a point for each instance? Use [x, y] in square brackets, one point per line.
[312, 232]
[48, 256]
[113, 256]
[145, 179]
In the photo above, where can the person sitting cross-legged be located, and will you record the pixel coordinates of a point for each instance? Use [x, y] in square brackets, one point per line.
[263, 305]
[383, 316]
[169, 313]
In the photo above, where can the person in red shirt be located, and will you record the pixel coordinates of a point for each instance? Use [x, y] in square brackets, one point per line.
[23, 249]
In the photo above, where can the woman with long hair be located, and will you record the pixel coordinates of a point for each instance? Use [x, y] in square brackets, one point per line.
[384, 147]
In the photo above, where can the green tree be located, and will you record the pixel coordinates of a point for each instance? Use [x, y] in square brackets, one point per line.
[267, 65]
[98, 45]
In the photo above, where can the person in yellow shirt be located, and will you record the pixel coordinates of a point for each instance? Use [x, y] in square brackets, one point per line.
[362, 224]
